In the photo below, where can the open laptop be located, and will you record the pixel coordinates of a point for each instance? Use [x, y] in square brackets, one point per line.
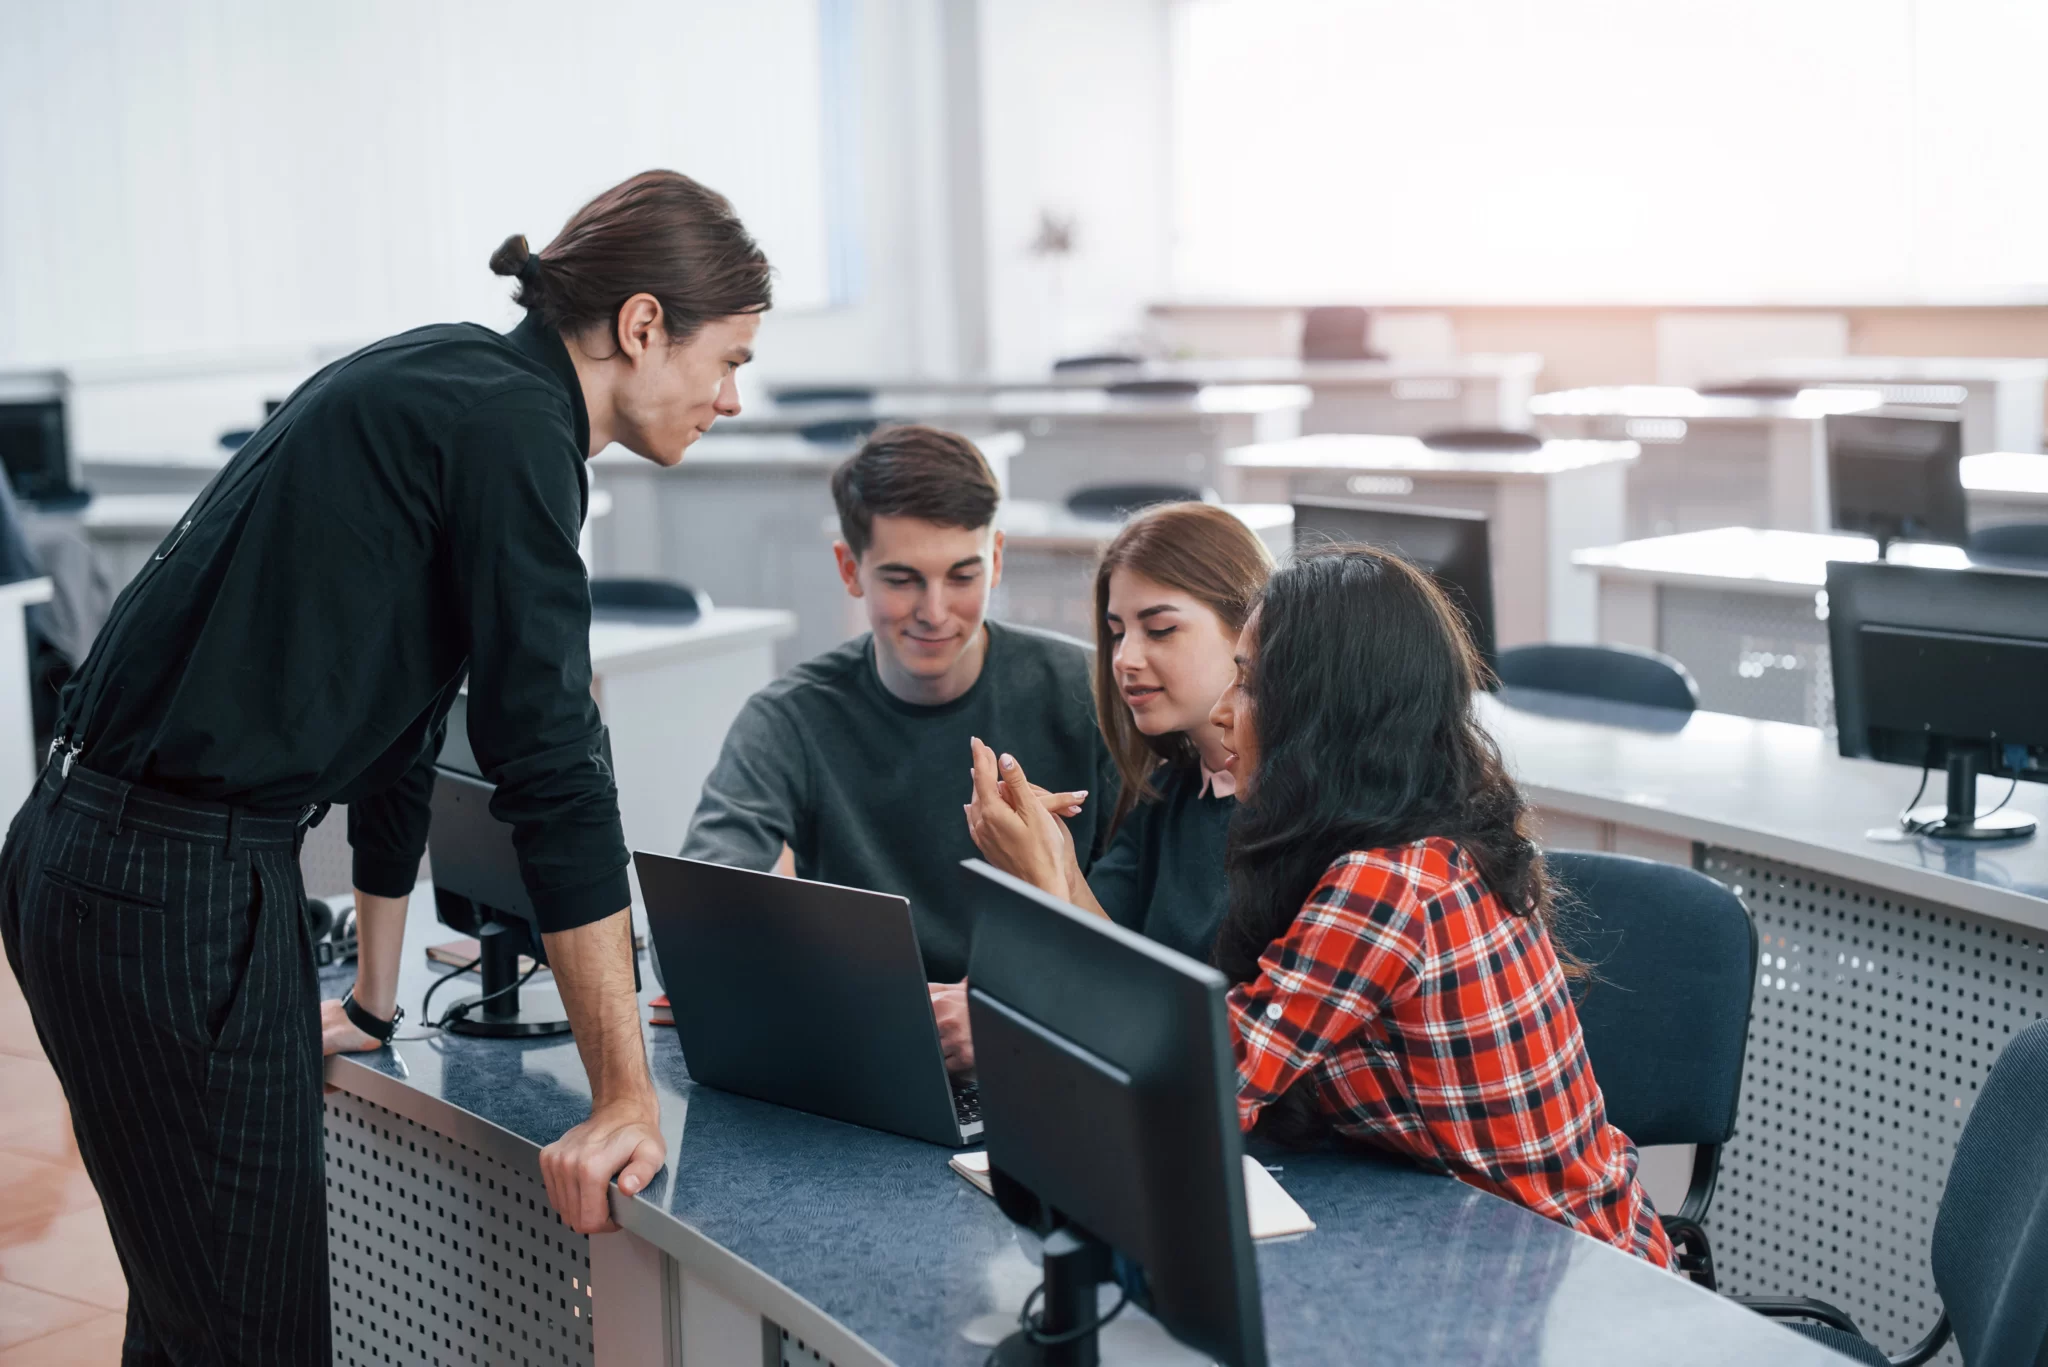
[805, 994]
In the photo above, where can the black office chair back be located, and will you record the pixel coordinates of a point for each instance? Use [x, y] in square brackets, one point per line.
[1118, 501]
[645, 600]
[1100, 360]
[1991, 1235]
[1483, 441]
[1154, 389]
[840, 431]
[1610, 673]
[825, 393]
[2023, 541]
[1336, 334]
[1666, 1014]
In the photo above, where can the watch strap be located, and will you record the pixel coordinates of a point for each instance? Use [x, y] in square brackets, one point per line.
[378, 1030]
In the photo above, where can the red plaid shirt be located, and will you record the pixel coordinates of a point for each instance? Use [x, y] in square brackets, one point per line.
[1431, 1021]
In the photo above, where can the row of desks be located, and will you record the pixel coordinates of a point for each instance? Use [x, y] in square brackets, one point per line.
[770, 1226]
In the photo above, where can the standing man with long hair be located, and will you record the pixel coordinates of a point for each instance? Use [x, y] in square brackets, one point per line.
[407, 519]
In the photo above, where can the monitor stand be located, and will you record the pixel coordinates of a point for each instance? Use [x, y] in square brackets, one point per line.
[519, 1012]
[1942, 823]
[1074, 1266]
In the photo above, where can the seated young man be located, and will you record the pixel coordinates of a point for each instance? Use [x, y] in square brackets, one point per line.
[858, 761]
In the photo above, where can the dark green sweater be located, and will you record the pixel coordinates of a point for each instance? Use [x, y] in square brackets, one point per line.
[868, 790]
[1162, 874]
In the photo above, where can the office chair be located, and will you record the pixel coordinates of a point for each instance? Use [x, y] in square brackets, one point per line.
[646, 600]
[1484, 440]
[1609, 673]
[841, 431]
[1102, 360]
[1118, 501]
[1990, 1254]
[1336, 334]
[1153, 389]
[825, 393]
[1666, 1013]
[2017, 541]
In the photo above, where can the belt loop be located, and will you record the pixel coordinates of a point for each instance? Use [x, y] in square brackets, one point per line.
[120, 809]
[234, 833]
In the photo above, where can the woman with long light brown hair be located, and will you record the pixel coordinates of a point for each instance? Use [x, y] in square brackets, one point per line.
[1171, 593]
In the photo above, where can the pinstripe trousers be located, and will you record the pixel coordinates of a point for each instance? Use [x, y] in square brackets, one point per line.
[163, 950]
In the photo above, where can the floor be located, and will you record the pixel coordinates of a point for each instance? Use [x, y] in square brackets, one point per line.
[61, 1291]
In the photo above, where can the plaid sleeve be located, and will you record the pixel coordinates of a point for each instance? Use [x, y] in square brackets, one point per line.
[1356, 947]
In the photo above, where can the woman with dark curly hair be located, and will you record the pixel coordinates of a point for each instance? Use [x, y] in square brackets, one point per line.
[1388, 933]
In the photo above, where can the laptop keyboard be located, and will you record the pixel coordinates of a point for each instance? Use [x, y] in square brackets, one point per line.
[967, 1103]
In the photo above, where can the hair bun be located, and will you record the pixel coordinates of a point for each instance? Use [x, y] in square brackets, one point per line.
[511, 256]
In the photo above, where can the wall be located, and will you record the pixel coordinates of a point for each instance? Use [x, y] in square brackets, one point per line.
[1074, 115]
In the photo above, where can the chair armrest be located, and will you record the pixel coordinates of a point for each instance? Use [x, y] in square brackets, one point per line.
[1799, 1308]
[1924, 1351]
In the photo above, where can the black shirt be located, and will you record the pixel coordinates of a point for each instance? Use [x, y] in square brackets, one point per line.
[411, 513]
[869, 791]
[1162, 874]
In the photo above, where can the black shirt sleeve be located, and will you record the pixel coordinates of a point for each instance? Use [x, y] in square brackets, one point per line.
[513, 498]
[387, 831]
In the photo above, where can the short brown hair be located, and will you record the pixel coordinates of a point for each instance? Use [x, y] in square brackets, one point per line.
[1200, 549]
[659, 233]
[913, 471]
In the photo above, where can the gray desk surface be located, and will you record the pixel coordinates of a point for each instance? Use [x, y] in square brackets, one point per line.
[1765, 788]
[723, 449]
[863, 1238]
[1049, 525]
[1907, 369]
[1229, 370]
[1671, 401]
[1407, 455]
[1090, 402]
[1764, 561]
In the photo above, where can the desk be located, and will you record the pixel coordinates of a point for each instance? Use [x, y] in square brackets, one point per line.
[1078, 436]
[1894, 973]
[1414, 397]
[2001, 398]
[19, 761]
[777, 1237]
[667, 695]
[747, 519]
[1711, 462]
[1049, 557]
[2005, 486]
[1540, 508]
[1738, 608]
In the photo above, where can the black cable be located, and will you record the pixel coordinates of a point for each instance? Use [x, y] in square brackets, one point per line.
[1031, 1330]
[426, 1002]
[461, 1010]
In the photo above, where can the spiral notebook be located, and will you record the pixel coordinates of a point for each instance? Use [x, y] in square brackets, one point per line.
[1274, 1214]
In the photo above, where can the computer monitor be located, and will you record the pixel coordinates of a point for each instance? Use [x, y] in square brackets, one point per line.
[1897, 474]
[34, 446]
[478, 890]
[1109, 1093]
[1451, 543]
[1943, 669]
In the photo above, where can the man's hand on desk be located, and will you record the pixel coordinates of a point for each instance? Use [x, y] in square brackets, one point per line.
[622, 1138]
[593, 967]
[949, 1009]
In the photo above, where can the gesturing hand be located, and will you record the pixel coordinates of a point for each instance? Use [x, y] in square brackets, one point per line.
[623, 1140]
[1014, 826]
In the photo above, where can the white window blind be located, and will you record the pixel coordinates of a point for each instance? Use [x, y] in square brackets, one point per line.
[1685, 151]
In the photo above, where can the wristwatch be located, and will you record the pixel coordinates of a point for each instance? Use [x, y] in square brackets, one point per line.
[378, 1030]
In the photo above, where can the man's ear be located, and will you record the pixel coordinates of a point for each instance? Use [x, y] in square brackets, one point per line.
[640, 325]
[849, 568]
[995, 561]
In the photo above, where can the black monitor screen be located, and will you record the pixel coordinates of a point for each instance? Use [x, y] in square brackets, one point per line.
[1897, 477]
[34, 450]
[1451, 543]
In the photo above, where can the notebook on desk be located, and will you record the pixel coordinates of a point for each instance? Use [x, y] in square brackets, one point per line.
[1272, 1212]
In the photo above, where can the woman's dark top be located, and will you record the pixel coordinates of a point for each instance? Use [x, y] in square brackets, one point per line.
[1162, 874]
[408, 516]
